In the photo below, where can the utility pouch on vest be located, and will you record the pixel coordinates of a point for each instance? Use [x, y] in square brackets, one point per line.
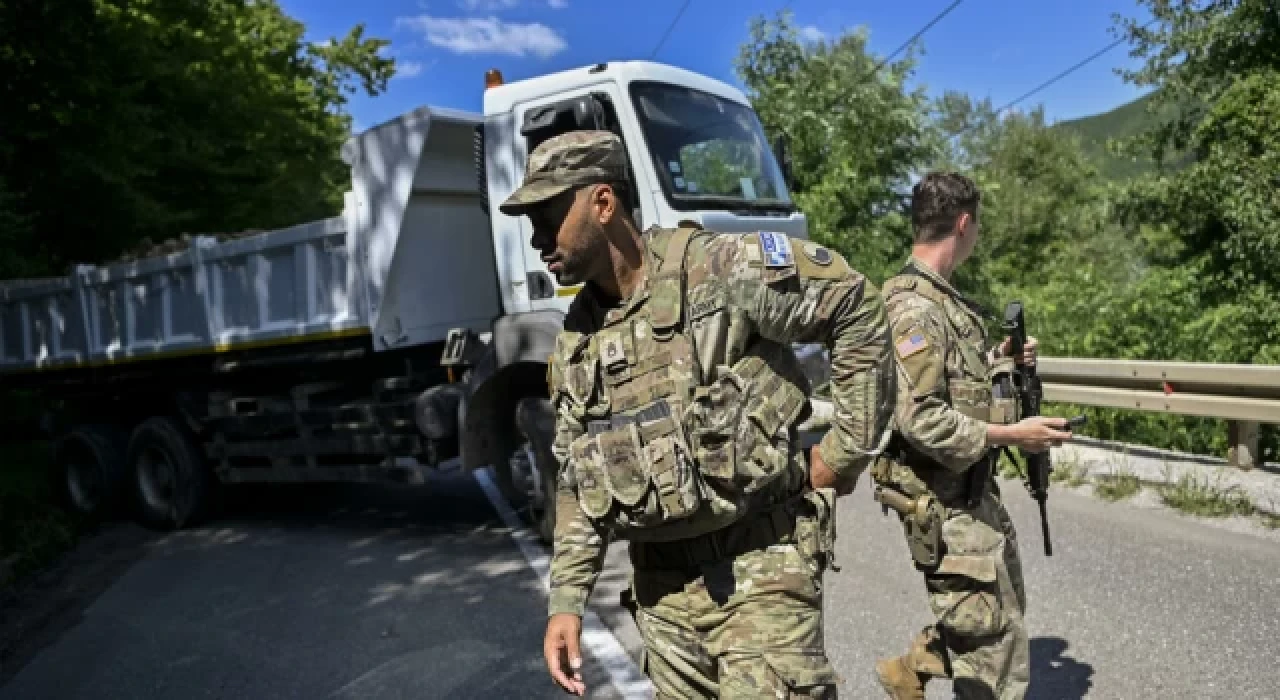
[970, 398]
[1005, 407]
[638, 475]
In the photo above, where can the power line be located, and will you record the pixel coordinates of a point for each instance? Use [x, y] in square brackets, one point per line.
[915, 36]
[670, 27]
[1061, 75]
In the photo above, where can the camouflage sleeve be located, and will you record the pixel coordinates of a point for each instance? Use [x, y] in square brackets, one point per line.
[924, 415]
[794, 291]
[579, 547]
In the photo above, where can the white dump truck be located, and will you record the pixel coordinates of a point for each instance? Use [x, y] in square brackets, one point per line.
[412, 329]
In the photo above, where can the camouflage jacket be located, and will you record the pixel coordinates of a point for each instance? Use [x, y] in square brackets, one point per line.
[944, 371]
[744, 296]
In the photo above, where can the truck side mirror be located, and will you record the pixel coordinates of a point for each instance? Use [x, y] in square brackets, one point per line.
[782, 153]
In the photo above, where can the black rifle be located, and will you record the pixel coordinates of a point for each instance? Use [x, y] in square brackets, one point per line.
[1030, 393]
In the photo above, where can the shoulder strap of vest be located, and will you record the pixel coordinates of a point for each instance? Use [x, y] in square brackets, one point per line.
[668, 280]
[901, 284]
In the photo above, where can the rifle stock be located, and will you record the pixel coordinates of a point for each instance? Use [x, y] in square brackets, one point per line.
[1030, 393]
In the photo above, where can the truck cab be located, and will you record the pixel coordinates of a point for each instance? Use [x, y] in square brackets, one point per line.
[697, 152]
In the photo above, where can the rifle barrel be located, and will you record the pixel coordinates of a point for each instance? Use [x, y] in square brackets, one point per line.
[1044, 528]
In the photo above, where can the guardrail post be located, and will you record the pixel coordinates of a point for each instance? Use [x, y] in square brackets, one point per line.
[1242, 440]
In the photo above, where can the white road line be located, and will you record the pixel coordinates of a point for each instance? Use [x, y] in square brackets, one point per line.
[597, 638]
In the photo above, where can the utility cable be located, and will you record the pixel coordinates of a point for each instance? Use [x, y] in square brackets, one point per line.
[917, 35]
[1059, 76]
[670, 27]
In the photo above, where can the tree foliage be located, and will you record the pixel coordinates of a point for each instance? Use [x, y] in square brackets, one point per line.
[132, 119]
[856, 134]
[1221, 62]
[1178, 263]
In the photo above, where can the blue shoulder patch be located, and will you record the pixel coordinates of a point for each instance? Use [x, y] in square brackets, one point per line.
[776, 248]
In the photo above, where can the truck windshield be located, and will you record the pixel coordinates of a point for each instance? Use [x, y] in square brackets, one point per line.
[709, 151]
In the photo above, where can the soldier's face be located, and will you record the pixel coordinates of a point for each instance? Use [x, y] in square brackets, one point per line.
[570, 241]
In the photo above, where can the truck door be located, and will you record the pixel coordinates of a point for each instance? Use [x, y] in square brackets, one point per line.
[590, 107]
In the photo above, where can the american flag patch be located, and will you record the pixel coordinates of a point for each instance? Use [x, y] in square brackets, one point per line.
[912, 344]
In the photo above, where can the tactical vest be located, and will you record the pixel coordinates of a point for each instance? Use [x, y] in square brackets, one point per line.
[666, 454]
[970, 380]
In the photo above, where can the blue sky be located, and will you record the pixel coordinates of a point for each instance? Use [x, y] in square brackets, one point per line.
[987, 48]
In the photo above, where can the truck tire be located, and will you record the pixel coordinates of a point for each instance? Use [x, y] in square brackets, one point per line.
[89, 470]
[536, 423]
[172, 484]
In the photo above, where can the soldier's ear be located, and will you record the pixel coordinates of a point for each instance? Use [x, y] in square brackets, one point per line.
[604, 203]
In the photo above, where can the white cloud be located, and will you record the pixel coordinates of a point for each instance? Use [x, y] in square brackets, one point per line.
[409, 69]
[487, 5]
[478, 35]
[558, 4]
[813, 34]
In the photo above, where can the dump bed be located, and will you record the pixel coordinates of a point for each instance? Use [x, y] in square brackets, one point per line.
[409, 258]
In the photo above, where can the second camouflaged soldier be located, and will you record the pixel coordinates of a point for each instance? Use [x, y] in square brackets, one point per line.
[678, 397]
[958, 532]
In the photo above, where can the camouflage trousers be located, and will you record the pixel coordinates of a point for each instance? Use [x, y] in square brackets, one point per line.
[747, 626]
[979, 605]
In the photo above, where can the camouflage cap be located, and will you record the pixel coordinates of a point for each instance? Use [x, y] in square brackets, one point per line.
[567, 161]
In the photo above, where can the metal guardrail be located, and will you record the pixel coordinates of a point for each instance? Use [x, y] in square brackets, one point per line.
[1245, 395]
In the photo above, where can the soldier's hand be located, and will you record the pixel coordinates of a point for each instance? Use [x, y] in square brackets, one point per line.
[823, 477]
[1028, 356]
[562, 652]
[1039, 433]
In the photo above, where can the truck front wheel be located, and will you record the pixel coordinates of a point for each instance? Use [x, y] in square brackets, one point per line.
[172, 483]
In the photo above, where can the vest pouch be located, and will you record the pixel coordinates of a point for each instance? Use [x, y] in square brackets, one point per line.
[635, 477]
[973, 399]
[673, 477]
[589, 476]
[715, 415]
[771, 404]
[1005, 408]
[624, 467]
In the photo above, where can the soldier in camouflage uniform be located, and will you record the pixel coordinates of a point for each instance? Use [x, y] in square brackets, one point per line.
[678, 397]
[946, 422]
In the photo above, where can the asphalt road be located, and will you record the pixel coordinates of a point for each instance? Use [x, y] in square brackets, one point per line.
[1135, 603]
[373, 593]
[390, 593]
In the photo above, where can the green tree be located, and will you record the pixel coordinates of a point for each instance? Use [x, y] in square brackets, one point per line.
[132, 119]
[856, 133]
[1043, 203]
[1219, 62]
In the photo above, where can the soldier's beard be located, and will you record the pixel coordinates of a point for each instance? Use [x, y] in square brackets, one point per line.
[576, 265]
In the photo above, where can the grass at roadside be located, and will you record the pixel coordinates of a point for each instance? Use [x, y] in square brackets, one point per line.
[1070, 472]
[33, 529]
[1113, 478]
[1117, 486]
[1199, 496]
